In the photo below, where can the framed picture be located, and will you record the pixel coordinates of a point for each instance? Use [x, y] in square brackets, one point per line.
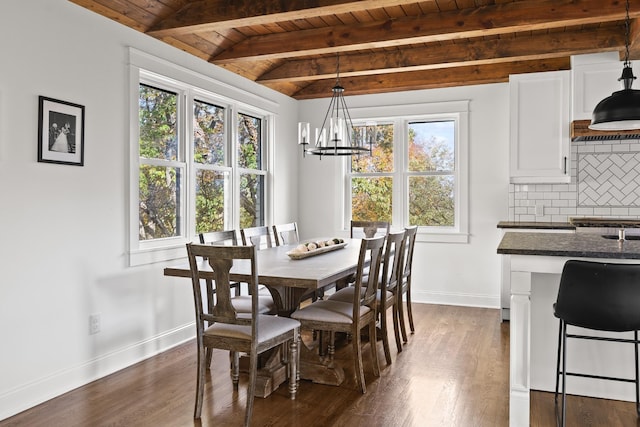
[60, 132]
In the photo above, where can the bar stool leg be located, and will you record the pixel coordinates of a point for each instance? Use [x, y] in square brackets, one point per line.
[558, 362]
[635, 337]
[564, 374]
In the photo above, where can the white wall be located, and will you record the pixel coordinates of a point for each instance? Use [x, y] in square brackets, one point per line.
[448, 273]
[63, 245]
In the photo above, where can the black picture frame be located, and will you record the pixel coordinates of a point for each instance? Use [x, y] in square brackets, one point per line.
[60, 132]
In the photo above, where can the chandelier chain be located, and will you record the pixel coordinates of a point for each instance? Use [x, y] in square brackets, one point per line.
[627, 31]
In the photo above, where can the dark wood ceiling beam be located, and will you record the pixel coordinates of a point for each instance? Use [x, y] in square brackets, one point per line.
[110, 13]
[466, 23]
[474, 52]
[416, 80]
[216, 15]
[634, 41]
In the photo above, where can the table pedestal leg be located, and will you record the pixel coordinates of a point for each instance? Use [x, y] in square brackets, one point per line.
[317, 369]
[312, 367]
[271, 374]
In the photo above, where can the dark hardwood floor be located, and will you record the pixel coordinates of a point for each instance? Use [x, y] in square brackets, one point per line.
[453, 372]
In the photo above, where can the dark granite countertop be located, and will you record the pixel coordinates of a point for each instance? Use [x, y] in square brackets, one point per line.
[568, 245]
[537, 225]
[605, 222]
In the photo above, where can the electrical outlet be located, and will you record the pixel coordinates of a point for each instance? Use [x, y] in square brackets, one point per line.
[94, 323]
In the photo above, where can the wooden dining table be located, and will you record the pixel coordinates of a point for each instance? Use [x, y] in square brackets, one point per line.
[288, 280]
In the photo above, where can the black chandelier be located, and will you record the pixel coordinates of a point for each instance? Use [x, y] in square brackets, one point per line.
[338, 136]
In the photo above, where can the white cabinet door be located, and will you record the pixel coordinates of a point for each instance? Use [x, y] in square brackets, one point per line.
[539, 133]
[594, 82]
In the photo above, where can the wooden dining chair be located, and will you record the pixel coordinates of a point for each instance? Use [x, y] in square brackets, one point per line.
[252, 333]
[351, 317]
[389, 282]
[369, 228]
[405, 289]
[242, 303]
[257, 236]
[286, 234]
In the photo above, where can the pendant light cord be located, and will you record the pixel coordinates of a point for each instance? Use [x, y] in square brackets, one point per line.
[627, 31]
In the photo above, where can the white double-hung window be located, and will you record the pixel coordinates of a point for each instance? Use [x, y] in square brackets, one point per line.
[418, 171]
[198, 164]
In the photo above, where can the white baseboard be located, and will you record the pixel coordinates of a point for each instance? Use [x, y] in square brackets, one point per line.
[31, 394]
[466, 300]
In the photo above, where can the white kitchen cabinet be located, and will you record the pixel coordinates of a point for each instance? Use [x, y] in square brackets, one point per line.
[539, 127]
[594, 82]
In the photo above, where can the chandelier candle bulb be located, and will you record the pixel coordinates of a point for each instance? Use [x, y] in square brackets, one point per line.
[321, 137]
[336, 129]
[303, 133]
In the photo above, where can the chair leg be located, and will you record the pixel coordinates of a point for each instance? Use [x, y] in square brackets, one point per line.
[293, 366]
[235, 368]
[209, 357]
[253, 375]
[396, 326]
[298, 358]
[374, 348]
[357, 354]
[409, 311]
[403, 328]
[385, 337]
[199, 380]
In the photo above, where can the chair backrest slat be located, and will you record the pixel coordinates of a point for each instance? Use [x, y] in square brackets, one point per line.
[369, 229]
[409, 246]
[370, 250]
[226, 237]
[259, 237]
[393, 261]
[286, 234]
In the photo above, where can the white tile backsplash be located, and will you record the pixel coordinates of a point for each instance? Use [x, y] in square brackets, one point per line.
[605, 181]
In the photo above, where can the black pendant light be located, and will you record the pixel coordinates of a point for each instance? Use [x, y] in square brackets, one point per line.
[621, 110]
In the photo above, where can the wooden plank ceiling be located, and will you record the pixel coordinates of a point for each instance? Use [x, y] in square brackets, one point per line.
[292, 46]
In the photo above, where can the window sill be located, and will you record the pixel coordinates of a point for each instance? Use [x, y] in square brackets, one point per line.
[159, 254]
[442, 237]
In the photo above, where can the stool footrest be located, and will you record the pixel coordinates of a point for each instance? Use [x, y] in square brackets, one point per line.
[591, 337]
[599, 377]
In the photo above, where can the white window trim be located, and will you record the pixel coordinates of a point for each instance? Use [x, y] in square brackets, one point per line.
[149, 68]
[402, 115]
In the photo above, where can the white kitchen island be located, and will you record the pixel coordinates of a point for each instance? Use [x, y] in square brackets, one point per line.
[537, 260]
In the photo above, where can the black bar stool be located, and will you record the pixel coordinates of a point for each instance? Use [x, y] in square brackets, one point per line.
[597, 296]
